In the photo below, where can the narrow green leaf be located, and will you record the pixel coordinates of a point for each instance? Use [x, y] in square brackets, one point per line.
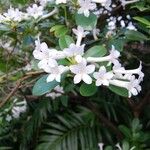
[142, 20]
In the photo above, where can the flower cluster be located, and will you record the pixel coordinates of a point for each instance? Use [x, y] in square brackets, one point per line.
[15, 111]
[37, 11]
[87, 69]
[86, 6]
[34, 11]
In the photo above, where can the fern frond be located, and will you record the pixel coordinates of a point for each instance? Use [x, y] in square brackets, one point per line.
[71, 132]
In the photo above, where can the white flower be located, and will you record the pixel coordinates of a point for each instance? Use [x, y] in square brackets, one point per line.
[44, 54]
[41, 53]
[138, 71]
[58, 91]
[74, 50]
[60, 1]
[100, 146]
[118, 146]
[131, 26]
[132, 86]
[82, 71]
[104, 3]
[112, 25]
[35, 11]
[85, 7]
[53, 95]
[20, 107]
[111, 58]
[80, 33]
[102, 76]
[12, 15]
[55, 54]
[54, 71]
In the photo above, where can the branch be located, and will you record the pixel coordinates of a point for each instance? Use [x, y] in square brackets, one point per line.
[18, 84]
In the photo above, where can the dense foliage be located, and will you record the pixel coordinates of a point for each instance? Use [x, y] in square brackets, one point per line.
[74, 74]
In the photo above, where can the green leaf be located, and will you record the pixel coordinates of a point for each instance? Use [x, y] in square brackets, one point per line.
[56, 27]
[135, 35]
[142, 20]
[118, 90]
[59, 30]
[118, 43]
[87, 23]
[65, 41]
[125, 145]
[41, 86]
[64, 100]
[108, 148]
[88, 90]
[96, 51]
[125, 131]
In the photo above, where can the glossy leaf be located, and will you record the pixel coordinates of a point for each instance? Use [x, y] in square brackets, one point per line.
[41, 87]
[88, 90]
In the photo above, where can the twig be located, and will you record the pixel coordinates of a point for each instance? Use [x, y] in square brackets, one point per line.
[18, 84]
[54, 11]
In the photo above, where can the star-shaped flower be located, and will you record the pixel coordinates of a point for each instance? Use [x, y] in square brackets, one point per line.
[82, 71]
[74, 50]
[102, 76]
[85, 7]
[35, 11]
[54, 71]
[13, 15]
[41, 53]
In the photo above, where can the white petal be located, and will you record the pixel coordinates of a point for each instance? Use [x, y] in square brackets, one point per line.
[74, 69]
[78, 58]
[77, 78]
[134, 91]
[96, 75]
[42, 64]
[98, 82]
[50, 78]
[90, 69]
[105, 82]
[86, 78]
[58, 78]
[109, 75]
